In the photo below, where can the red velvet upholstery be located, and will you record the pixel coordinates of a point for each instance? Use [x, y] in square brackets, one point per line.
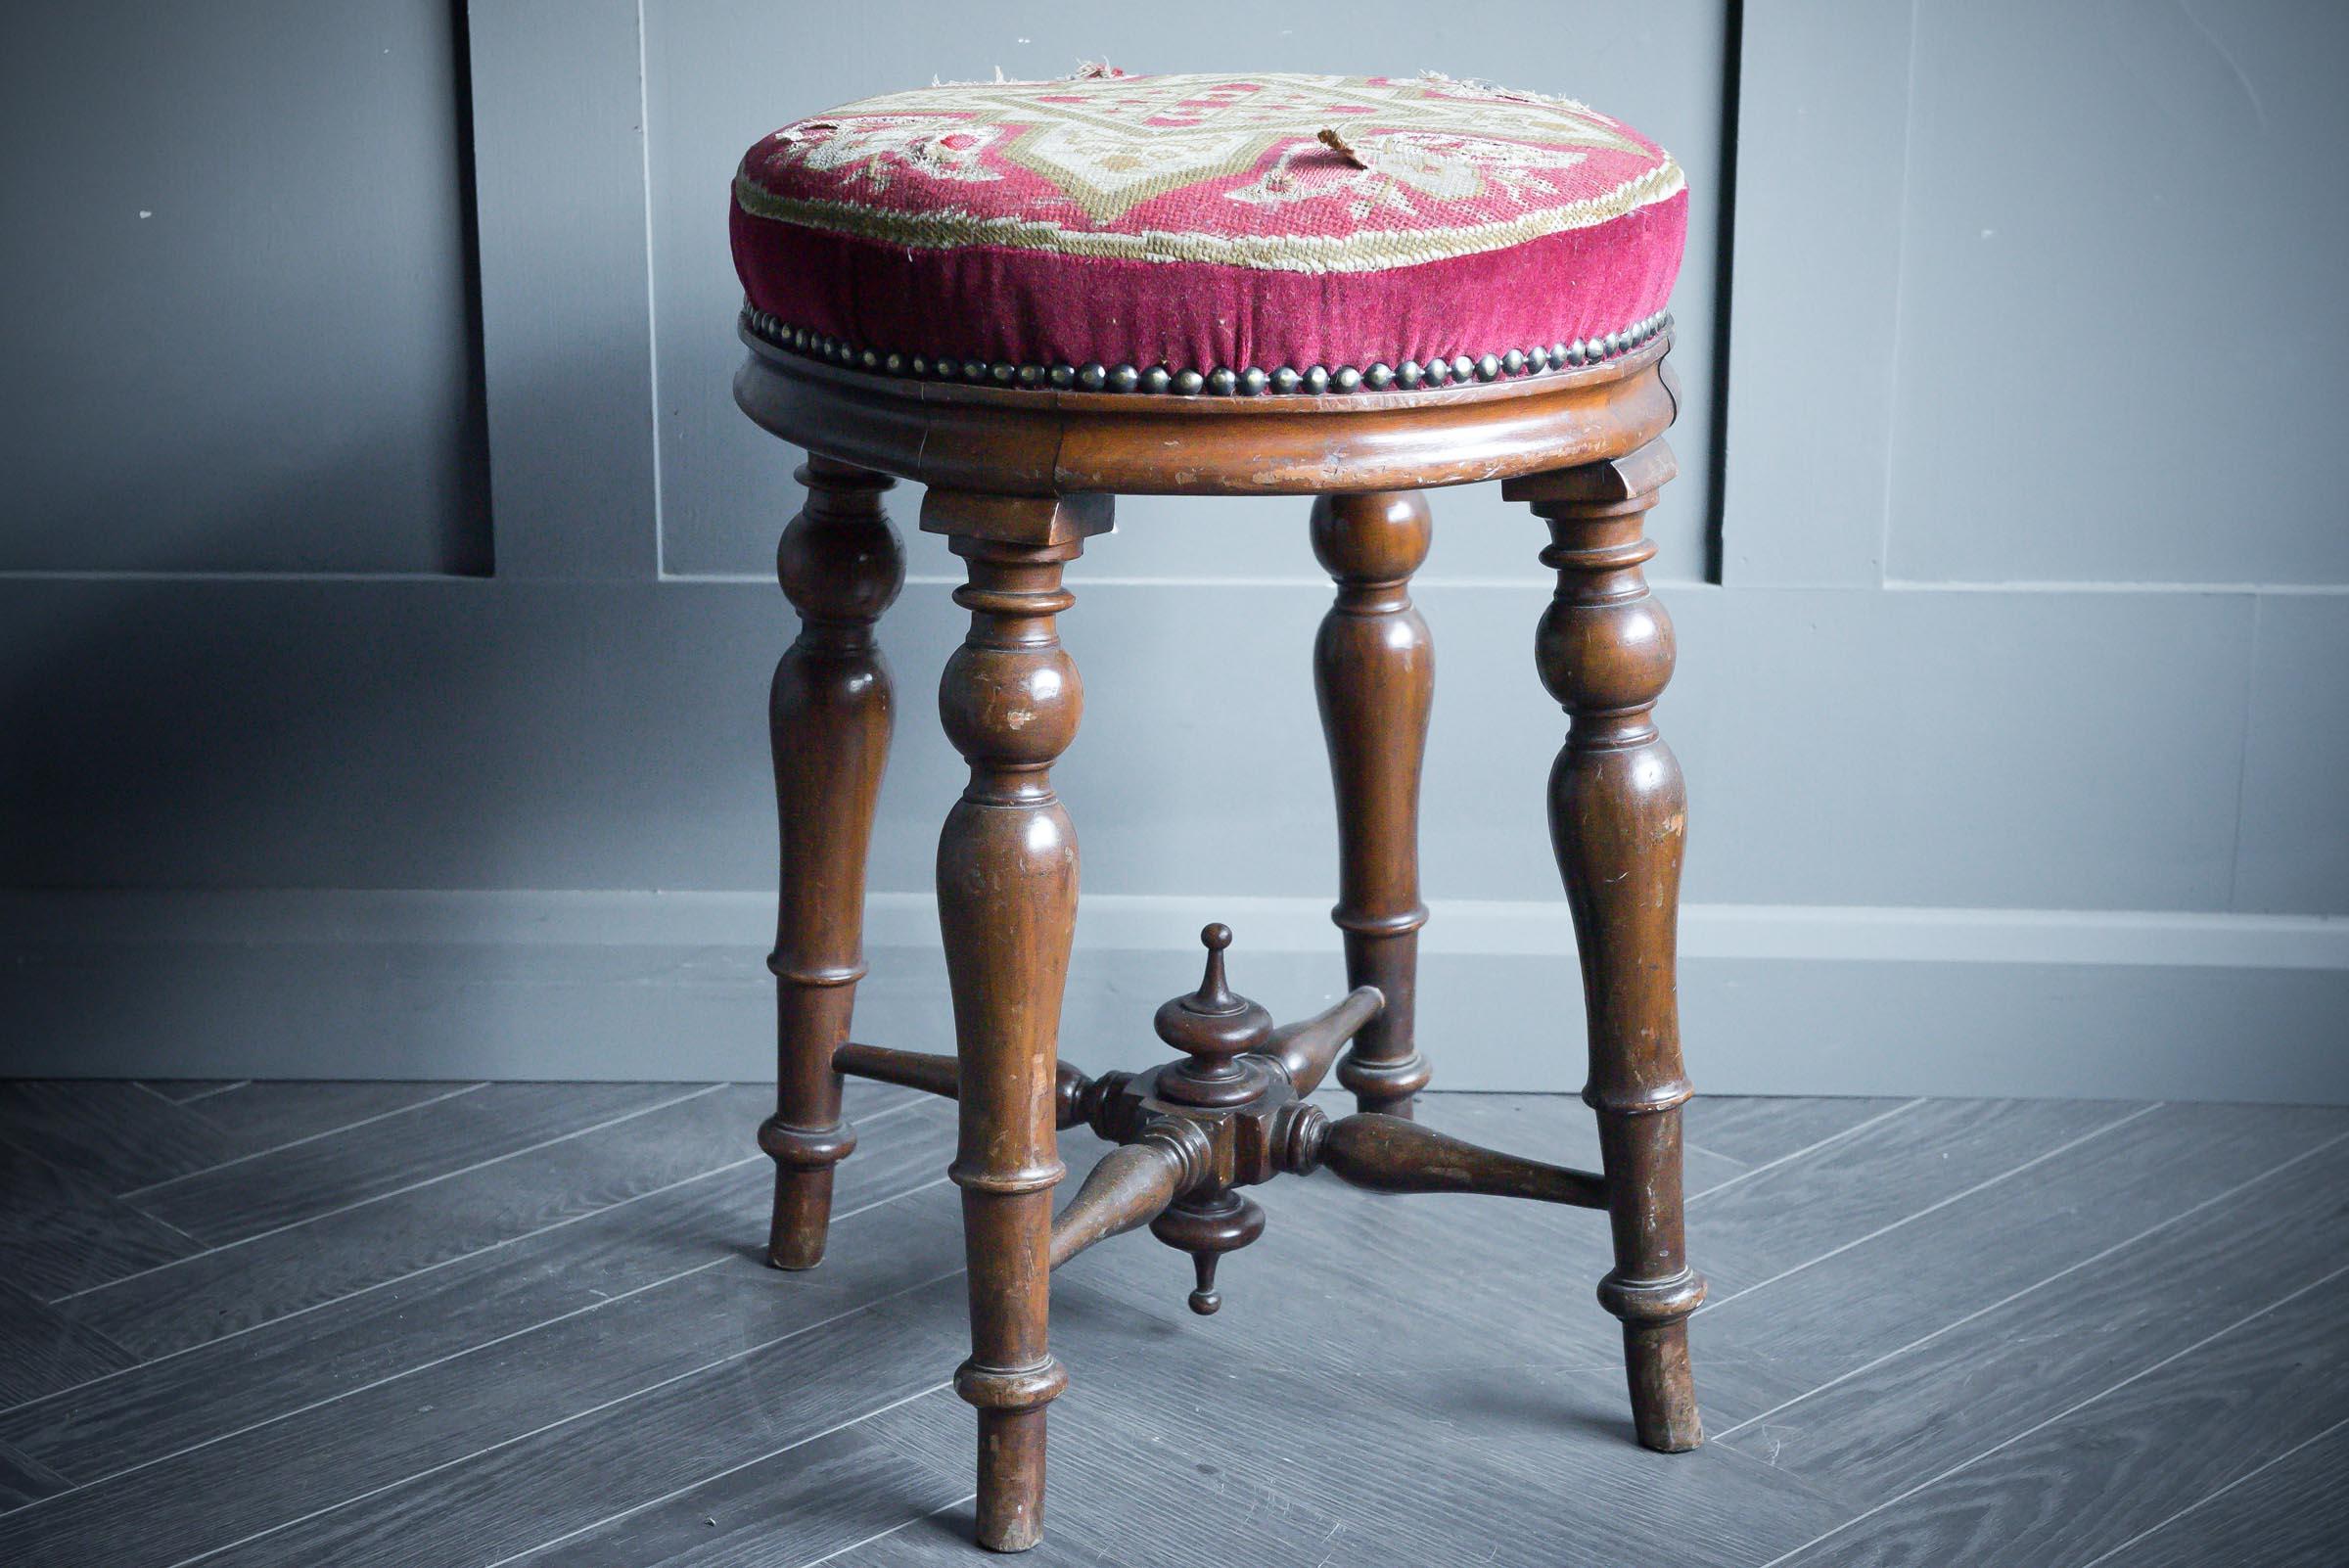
[1125, 230]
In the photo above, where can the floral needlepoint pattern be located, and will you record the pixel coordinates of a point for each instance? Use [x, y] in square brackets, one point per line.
[1209, 221]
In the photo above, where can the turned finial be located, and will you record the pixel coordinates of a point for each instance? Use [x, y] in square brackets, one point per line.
[1214, 995]
[1205, 1299]
[1212, 1026]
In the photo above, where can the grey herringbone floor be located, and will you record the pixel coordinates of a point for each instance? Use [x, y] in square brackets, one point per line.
[422, 1324]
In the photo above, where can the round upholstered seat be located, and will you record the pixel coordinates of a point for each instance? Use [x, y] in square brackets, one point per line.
[1209, 234]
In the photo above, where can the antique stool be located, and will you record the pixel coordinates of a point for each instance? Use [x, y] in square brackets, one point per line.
[1033, 296]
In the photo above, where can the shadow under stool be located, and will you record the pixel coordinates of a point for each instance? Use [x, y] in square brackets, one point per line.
[1022, 457]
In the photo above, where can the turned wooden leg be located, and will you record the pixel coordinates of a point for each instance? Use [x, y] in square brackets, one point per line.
[828, 716]
[1008, 905]
[1374, 673]
[1617, 817]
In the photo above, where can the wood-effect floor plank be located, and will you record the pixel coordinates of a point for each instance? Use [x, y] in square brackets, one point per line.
[1756, 1128]
[1887, 1290]
[1163, 1452]
[269, 1114]
[1564, 1377]
[115, 1134]
[1331, 1377]
[448, 1133]
[691, 1434]
[181, 1090]
[362, 1449]
[236, 1286]
[2067, 1491]
[2291, 1513]
[24, 1479]
[1392, 1380]
[811, 1497]
[1337, 1245]
[1877, 1173]
[1889, 1425]
[1556, 1128]
[1120, 1496]
[717, 1210]
[42, 1351]
[61, 1232]
[591, 1414]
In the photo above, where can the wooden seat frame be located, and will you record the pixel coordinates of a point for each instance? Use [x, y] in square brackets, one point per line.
[1018, 480]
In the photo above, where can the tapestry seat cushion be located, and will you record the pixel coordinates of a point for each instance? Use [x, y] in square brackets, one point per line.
[1209, 234]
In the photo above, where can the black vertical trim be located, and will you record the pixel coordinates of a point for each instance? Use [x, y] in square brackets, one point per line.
[1725, 253]
[472, 551]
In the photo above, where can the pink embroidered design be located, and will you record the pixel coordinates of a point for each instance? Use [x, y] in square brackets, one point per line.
[1209, 169]
[1206, 221]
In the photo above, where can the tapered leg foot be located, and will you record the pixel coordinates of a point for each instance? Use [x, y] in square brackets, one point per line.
[1010, 700]
[1618, 813]
[803, 1162]
[1651, 1288]
[1663, 1392]
[1374, 674]
[794, 1237]
[1011, 1479]
[828, 716]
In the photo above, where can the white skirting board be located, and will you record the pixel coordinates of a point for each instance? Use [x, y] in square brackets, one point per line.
[574, 985]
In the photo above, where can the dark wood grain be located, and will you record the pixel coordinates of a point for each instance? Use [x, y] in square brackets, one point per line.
[1130, 1187]
[1355, 1248]
[1374, 681]
[1169, 1444]
[1122, 1496]
[751, 1397]
[1618, 820]
[1889, 1426]
[1797, 1333]
[1754, 1129]
[828, 714]
[265, 1115]
[164, 1405]
[926, 1071]
[488, 1402]
[180, 1090]
[1010, 700]
[632, 1387]
[1006, 441]
[115, 1135]
[1306, 1049]
[1559, 1127]
[24, 1479]
[2095, 1477]
[806, 1500]
[287, 1185]
[944, 1536]
[60, 1232]
[403, 1229]
[2292, 1514]
[1388, 1154]
[1752, 1226]
[42, 1351]
[1018, 480]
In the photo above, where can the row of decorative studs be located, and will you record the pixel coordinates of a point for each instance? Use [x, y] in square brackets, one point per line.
[1222, 380]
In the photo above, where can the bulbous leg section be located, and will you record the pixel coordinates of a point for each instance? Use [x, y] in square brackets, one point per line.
[1010, 700]
[1374, 674]
[828, 716]
[1618, 813]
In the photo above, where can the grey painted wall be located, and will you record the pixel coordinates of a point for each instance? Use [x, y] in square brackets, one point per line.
[2012, 721]
[239, 323]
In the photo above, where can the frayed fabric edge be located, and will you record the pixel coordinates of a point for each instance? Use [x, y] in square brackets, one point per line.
[1087, 70]
[1472, 87]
